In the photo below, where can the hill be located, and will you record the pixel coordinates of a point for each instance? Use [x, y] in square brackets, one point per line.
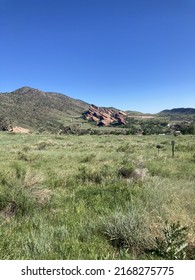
[29, 108]
[35, 109]
[181, 111]
[179, 114]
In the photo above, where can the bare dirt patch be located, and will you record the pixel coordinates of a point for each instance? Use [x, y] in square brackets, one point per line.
[18, 129]
[141, 116]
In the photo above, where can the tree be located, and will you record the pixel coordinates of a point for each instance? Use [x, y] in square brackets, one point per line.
[5, 124]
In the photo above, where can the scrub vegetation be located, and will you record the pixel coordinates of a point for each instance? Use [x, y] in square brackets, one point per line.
[96, 197]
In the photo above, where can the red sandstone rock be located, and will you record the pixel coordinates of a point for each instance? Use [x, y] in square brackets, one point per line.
[104, 116]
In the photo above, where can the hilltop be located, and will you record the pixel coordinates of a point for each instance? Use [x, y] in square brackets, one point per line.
[182, 111]
[36, 109]
[179, 114]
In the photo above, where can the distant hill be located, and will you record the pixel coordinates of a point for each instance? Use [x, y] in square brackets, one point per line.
[132, 113]
[38, 110]
[180, 111]
[35, 109]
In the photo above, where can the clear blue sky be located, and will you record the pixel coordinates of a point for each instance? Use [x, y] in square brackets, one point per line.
[130, 54]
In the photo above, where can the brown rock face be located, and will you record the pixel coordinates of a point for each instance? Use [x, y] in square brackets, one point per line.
[104, 116]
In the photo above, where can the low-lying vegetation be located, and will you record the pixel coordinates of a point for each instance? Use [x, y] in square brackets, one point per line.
[96, 197]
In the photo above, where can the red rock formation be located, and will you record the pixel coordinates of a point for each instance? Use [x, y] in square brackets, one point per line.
[104, 116]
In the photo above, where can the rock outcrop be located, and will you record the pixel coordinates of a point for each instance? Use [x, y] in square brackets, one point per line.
[105, 116]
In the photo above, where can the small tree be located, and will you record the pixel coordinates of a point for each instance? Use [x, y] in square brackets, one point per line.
[5, 124]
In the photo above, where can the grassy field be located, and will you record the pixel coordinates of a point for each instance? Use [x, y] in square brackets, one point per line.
[96, 197]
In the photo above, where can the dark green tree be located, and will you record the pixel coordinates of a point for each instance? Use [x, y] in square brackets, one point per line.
[5, 124]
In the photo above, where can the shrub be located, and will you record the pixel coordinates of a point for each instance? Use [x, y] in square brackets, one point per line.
[126, 171]
[88, 158]
[86, 175]
[22, 156]
[128, 231]
[19, 170]
[16, 200]
[41, 146]
[125, 148]
[174, 244]
[26, 149]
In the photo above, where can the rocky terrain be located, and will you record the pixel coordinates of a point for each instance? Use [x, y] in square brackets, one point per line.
[105, 116]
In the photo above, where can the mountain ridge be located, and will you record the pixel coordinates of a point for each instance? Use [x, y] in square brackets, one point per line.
[182, 110]
[33, 108]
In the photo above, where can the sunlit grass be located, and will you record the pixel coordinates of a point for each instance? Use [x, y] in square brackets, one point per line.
[93, 197]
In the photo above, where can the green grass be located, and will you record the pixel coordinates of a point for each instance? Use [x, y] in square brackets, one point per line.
[94, 197]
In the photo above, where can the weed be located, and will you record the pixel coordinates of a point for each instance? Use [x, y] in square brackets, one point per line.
[126, 148]
[41, 146]
[88, 158]
[16, 201]
[174, 244]
[26, 149]
[19, 169]
[126, 171]
[87, 175]
[22, 156]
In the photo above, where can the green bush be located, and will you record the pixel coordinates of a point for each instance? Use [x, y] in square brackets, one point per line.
[88, 175]
[127, 171]
[16, 201]
[128, 231]
[173, 244]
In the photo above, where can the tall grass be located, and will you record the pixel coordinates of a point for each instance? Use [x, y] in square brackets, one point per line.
[94, 197]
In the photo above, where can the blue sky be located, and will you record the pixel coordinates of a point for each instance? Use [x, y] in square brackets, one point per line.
[129, 54]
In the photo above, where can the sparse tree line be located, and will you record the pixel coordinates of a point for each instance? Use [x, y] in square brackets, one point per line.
[77, 130]
[132, 127]
[149, 127]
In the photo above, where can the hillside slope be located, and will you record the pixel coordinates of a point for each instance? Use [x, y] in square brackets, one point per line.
[35, 109]
[182, 111]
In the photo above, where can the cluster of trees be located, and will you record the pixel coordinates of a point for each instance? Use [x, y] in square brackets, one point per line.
[187, 128]
[146, 127]
[78, 130]
[155, 126]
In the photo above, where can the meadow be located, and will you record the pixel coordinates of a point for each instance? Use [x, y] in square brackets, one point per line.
[96, 197]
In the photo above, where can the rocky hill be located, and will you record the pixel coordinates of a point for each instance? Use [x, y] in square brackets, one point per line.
[35, 109]
[105, 116]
